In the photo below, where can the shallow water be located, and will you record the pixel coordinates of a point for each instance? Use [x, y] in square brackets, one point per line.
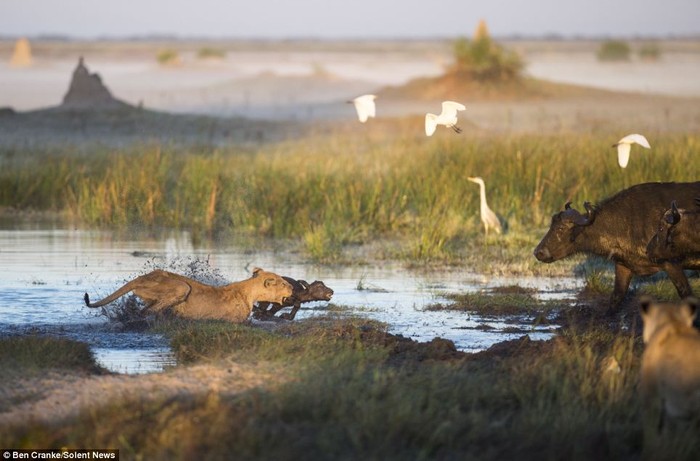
[45, 272]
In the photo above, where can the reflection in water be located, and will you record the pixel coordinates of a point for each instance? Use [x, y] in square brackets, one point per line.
[46, 272]
[134, 360]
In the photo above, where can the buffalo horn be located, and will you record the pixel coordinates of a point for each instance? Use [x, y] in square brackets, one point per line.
[577, 218]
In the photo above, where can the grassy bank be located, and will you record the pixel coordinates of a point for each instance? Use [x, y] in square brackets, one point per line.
[28, 354]
[38, 357]
[328, 192]
[357, 393]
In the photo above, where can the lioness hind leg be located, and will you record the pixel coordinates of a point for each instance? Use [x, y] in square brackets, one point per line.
[162, 296]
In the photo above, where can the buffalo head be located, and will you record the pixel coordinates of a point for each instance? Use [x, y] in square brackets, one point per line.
[318, 291]
[560, 240]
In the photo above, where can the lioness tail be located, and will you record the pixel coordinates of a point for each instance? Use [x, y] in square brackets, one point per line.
[120, 292]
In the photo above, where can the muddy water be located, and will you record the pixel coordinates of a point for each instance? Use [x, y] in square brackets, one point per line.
[45, 272]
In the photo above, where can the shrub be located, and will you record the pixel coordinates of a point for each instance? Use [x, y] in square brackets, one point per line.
[211, 53]
[614, 50]
[168, 57]
[650, 51]
[484, 59]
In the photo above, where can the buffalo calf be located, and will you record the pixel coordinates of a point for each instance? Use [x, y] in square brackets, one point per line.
[302, 292]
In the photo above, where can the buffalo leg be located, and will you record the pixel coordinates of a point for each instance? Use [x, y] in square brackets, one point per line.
[680, 281]
[291, 315]
[275, 308]
[261, 307]
[623, 277]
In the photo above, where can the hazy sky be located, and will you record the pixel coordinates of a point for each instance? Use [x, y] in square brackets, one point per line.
[348, 18]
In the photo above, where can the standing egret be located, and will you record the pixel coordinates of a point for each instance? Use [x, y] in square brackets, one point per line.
[365, 107]
[624, 145]
[447, 117]
[488, 217]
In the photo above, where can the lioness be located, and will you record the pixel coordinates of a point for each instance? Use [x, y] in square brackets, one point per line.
[188, 298]
[670, 373]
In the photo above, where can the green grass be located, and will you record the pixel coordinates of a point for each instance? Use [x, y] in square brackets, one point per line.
[298, 343]
[356, 393]
[599, 277]
[329, 193]
[499, 302]
[28, 354]
[662, 288]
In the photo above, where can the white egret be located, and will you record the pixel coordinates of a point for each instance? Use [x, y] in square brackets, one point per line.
[488, 217]
[447, 117]
[365, 107]
[624, 145]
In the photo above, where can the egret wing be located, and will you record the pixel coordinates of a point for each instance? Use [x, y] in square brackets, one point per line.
[623, 154]
[365, 107]
[430, 124]
[635, 138]
[362, 113]
[639, 139]
[450, 108]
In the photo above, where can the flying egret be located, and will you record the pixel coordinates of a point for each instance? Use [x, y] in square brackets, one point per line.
[365, 107]
[488, 217]
[447, 117]
[624, 145]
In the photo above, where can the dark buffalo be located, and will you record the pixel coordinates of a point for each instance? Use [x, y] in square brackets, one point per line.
[677, 234]
[302, 292]
[619, 228]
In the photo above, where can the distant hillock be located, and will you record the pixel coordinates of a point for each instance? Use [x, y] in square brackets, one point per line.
[458, 86]
[86, 91]
[482, 70]
[89, 113]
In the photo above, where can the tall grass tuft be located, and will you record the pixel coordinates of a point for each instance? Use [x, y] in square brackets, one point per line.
[20, 355]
